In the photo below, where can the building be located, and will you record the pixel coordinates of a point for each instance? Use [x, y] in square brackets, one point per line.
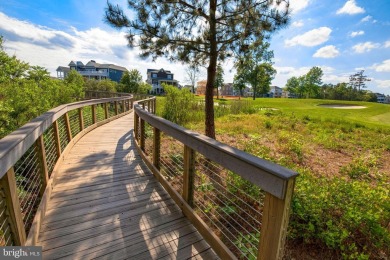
[380, 98]
[157, 78]
[93, 70]
[227, 90]
[275, 92]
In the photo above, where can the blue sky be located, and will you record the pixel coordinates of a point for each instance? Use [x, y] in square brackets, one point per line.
[340, 36]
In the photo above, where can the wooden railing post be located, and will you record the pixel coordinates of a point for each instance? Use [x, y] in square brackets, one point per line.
[8, 183]
[274, 224]
[156, 147]
[149, 105]
[154, 105]
[143, 105]
[131, 104]
[42, 163]
[67, 126]
[81, 119]
[188, 176]
[123, 107]
[128, 105]
[57, 138]
[136, 122]
[142, 134]
[105, 110]
[116, 108]
[93, 108]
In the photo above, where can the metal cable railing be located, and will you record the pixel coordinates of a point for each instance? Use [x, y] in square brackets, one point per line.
[239, 203]
[50, 148]
[29, 157]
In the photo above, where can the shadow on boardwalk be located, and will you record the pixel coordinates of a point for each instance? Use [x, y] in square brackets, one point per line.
[106, 204]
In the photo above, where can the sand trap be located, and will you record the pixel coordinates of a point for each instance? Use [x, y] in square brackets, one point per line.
[342, 106]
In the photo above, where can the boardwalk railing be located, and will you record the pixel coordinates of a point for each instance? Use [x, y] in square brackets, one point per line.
[238, 202]
[93, 94]
[29, 160]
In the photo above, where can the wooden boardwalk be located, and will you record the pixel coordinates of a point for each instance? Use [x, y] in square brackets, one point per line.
[106, 204]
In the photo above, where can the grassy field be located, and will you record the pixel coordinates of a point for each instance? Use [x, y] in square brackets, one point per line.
[341, 205]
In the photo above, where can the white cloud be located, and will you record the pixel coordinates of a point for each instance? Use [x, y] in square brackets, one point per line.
[382, 67]
[354, 34]
[51, 48]
[351, 8]
[327, 52]
[366, 18]
[298, 5]
[387, 44]
[297, 24]
[365, 47]
[382, 83]
[311, 38]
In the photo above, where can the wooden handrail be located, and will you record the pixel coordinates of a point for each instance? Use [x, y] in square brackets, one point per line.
[29, 141]
[269, 176]
[14, 145]
[275, 180]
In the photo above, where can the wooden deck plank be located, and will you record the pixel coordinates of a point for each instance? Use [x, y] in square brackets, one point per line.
[106, 204]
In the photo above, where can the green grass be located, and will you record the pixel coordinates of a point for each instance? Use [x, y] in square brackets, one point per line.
[341, 203]
[374, 114]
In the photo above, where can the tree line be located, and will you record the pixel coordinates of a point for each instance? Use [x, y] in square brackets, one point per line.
[310, 85]
[27, 91]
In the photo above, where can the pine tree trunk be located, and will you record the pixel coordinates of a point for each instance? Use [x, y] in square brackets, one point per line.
[211, 73]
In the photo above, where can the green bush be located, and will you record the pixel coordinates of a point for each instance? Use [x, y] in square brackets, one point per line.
[179, 104]
[349, 216]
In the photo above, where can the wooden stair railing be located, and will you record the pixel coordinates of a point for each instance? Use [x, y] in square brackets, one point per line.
[29, 158]
[238, 202]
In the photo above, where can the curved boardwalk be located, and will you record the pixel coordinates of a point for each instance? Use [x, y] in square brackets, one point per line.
[106, 204]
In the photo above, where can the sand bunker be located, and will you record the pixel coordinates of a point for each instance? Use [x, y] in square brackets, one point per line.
[342, 106]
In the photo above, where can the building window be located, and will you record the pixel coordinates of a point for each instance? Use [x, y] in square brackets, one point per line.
[169, 76]
[154, 75]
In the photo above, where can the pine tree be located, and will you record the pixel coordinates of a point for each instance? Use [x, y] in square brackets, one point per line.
[199, 32]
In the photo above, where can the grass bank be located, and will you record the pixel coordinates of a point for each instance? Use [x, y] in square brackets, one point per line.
[341, 207]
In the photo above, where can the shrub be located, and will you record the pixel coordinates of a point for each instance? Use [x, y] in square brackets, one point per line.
[339, 213]
[179, 104]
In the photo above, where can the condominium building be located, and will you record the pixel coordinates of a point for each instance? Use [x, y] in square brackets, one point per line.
[157, 78]
[93, 70]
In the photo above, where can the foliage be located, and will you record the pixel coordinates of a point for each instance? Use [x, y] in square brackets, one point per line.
[101, 85]
[144, 88]
[219, 79]
[344, 91]
[28, 91]
[178, 104]
[344, 215]
[199, 32]
[341, 200]
[192, 75]
[255, 68]
[307, 85]
[130, 82]
[312, 82]
[357, 80]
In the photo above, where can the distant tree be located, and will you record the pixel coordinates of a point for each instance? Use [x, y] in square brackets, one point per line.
[265, 73]
[144, 88]
[11, 68]
[130, 81]
[239, 83]
[255, 68]
[219, 79]
[38, 74]
[192, 75]
[357, 80]
[313, 82]
[293, 85]
[199, 32]
[74, 85]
